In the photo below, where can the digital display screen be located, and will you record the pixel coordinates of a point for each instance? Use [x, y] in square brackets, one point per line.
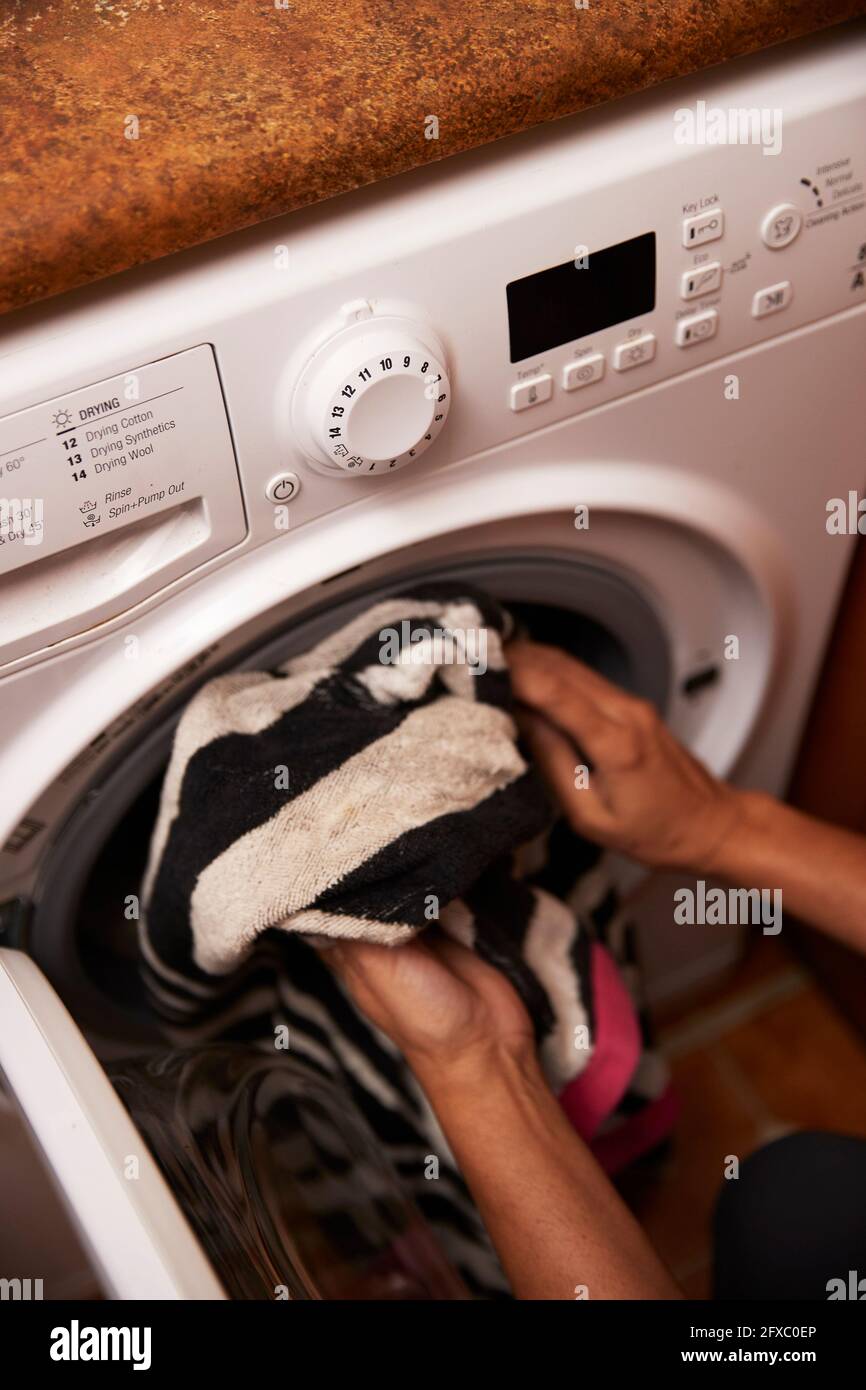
[563, 303]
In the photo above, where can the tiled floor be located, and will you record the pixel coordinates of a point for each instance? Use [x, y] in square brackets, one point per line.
[767, 1053]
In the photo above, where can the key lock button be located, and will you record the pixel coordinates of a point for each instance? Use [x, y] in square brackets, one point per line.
[373, 398]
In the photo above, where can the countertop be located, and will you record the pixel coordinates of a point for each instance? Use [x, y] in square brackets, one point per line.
[249, 108]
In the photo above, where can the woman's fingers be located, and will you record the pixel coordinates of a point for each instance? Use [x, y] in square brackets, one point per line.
[569, 695]
[611, 727]
[555, 756]
[544, 669]
[575, 698]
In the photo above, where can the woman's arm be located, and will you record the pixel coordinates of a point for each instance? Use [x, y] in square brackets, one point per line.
[559, 1227]
[820, 868]
[648, 797]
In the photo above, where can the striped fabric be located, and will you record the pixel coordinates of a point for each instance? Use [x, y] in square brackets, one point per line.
[369, 789]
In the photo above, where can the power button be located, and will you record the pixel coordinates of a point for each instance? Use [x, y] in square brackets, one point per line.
[283, 487]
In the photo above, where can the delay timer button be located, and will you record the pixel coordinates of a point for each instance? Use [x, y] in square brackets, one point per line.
[697, 328]
[283, 487]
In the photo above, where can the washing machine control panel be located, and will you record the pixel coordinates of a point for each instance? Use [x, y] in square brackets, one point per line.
[109, 493]
[373, 396]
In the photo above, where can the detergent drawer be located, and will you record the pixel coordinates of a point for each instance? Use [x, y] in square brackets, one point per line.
[121, 488]
[125, 1215]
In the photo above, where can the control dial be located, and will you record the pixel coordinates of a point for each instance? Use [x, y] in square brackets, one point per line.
[373, 398]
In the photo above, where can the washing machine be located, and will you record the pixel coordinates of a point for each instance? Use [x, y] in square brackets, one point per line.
[607, 370]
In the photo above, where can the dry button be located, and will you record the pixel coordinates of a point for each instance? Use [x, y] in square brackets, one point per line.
[697, 328]
[781, 225]
[634, 353]
[707, 226]
[583, 372]
[532, 392]
[283, 488]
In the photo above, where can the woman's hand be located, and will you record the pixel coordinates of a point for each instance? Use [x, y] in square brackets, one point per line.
[646, 795]
[444, 1007]
[556, 1222]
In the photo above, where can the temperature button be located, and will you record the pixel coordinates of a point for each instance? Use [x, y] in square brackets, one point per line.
[533, 392]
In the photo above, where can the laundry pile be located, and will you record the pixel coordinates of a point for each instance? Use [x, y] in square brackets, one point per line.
[372, 789]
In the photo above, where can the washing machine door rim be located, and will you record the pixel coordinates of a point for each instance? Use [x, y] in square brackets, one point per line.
[527, 557]
[604, 592]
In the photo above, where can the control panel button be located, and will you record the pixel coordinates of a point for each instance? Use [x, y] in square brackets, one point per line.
[634, 353]
[772, 299]
[697, 328]
[707, 226]
[282, 488]
[532, 392]
[781, 225]
[702, 280]
[583, 372]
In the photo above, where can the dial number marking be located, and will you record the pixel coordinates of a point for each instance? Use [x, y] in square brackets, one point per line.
[364, 378]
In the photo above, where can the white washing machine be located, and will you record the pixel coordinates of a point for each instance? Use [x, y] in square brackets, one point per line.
[612, 376]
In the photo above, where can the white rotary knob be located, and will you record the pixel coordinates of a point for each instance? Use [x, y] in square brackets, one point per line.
[373, 398]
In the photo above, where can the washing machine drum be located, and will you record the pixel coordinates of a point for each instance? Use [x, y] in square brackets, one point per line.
[597, 614]
[269, 1167]
[592, 611]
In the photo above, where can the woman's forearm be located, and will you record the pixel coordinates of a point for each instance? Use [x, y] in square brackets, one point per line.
[559, 1227]
[820, 869]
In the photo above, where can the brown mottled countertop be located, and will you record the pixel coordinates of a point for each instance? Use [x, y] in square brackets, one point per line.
[249, 108]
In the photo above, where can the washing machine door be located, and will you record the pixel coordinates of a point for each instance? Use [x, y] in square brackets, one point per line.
[130, 1225]
[285, 1192]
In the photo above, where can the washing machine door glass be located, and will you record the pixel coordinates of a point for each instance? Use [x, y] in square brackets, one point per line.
[284, 1183]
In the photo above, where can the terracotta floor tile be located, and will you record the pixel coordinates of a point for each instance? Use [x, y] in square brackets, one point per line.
[806, 1063]
[765, 958]
[674, 1202]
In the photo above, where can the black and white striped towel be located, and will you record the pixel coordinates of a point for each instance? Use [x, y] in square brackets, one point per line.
[365, 789]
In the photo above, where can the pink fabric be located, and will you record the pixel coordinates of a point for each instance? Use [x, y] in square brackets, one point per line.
[590, 1097]
[638, 1134]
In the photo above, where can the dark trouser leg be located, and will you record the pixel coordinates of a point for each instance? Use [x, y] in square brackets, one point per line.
[794, 1219]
